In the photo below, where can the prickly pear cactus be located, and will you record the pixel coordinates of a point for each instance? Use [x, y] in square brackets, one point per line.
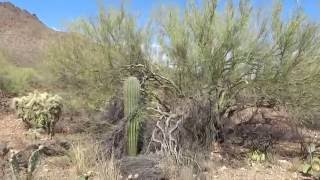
[132, 112]
[32, 164]
[14, 165]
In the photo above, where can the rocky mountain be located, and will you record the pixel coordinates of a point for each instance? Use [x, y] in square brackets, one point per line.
[23, 37]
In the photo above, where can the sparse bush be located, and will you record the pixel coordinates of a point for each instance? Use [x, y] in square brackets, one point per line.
[39, 110]
[257, 156]
[87, 64]
[16, 79]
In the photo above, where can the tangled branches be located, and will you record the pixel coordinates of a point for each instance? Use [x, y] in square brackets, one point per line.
[164, 131]
[145, 74]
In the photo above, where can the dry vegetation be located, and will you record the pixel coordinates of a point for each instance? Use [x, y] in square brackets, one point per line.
[235, 98]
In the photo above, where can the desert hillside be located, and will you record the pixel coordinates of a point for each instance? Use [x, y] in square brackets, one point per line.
[23, 37]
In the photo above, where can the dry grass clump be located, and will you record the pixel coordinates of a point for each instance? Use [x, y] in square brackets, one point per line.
[88, 160]
[175, 170]
[107, 169]
[83, 157]
[170, 166]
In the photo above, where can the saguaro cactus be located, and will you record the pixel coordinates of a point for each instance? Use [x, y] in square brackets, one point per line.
[131, 110]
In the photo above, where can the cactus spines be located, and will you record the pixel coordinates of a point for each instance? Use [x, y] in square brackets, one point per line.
[39, 110]
[131, 109]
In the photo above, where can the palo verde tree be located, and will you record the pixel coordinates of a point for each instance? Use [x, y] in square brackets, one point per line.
[87, 61]
[237, 52]
[226, 55]
[291, 72]
[211, 52]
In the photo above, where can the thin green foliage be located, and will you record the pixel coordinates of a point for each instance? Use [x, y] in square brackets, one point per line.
[227, 55]
[87, 63]
[231, 54]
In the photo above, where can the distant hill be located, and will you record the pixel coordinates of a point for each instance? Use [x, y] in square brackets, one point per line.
[23, 37]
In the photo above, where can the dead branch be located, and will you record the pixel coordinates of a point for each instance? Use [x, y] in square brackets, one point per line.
[163, 133]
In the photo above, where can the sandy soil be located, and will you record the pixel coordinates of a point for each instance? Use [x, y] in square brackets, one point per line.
[283, 168]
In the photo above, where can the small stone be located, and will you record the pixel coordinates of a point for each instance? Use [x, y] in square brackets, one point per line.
[285, 162]
[3, 149]
[223, 168]
[295, 175]
[65, 144]
[136, 176]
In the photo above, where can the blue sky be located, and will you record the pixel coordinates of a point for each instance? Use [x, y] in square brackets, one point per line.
[56, 13]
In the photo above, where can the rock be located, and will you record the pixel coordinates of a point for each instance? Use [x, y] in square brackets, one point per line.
[203, 176]
[223, 168]
[3, 149]
[55, 148]
[243, 169]
[65, 144]
[147, 167]
[50, 148]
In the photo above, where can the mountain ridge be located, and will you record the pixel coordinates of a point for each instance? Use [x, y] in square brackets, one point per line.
[23, 37]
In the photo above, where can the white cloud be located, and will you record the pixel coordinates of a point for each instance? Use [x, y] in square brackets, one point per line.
[56, 29]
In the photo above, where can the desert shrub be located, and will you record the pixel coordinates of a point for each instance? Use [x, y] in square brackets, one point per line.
[39, 110]
[257, 156]
[87, 63]
[16, 79]
[290, 73]
[235, 53]
[213, 54]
